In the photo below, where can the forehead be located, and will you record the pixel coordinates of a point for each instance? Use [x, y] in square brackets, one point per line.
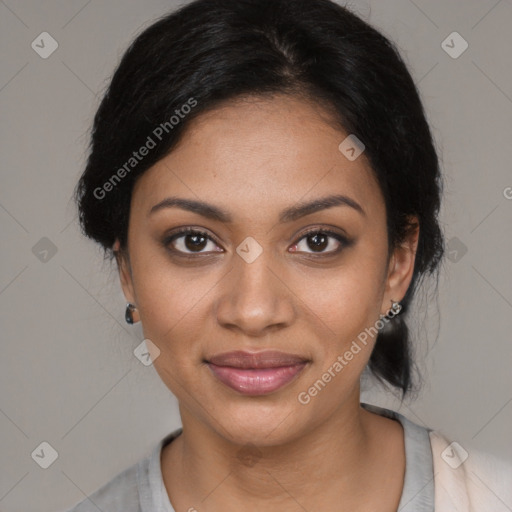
[259, 155]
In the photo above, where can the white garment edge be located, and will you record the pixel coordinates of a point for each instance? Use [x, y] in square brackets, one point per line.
[482, 483]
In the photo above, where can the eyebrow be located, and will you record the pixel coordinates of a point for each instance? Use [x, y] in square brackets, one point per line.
[290, 214]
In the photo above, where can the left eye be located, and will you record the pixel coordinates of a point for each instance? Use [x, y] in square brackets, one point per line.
[319, 241]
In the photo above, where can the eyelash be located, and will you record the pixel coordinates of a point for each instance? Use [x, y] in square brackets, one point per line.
[344, 242]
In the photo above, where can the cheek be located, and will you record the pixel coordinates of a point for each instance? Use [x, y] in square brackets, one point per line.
[166, 292]
[346, 299]
[345, 313]
[173, 314]
[172, 306]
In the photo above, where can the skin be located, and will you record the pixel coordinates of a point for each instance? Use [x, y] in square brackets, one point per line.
[255, 158]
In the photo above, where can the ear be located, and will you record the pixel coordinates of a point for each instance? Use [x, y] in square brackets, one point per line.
[125, 276]
[401, 267]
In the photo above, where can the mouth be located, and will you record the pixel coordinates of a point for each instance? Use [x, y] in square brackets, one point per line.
[256, 373]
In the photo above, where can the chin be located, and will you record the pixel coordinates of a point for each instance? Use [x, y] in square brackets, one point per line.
[257, 423]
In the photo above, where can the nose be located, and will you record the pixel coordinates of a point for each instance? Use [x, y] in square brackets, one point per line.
[255, 298]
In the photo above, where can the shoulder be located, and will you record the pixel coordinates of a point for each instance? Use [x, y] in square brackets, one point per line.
[469, 480]
[136, 489]
[120, 494]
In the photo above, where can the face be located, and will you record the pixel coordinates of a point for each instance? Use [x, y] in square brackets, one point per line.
[256, 273]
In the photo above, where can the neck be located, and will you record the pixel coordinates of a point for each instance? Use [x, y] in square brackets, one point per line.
[331, 461]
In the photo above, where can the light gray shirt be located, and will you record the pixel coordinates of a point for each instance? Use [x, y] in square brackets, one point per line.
[140, 488]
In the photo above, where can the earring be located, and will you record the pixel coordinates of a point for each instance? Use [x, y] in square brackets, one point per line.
[395, 308]
[128, 315]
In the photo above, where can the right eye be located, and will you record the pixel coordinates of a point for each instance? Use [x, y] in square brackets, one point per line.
[189, 241]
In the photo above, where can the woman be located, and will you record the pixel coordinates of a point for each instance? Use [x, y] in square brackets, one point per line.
[263, 173]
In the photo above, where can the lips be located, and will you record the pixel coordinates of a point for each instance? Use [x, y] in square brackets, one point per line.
[256, 373]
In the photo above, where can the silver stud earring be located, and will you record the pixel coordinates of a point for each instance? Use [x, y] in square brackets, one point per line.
[128, 315]
[394, 310]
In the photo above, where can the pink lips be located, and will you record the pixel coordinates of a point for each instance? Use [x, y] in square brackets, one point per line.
[256, 373]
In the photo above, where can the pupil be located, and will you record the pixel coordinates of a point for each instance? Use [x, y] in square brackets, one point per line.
[197, 243]
[319, 241]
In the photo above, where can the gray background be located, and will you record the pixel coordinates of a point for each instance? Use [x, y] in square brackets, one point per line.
[68, 375]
